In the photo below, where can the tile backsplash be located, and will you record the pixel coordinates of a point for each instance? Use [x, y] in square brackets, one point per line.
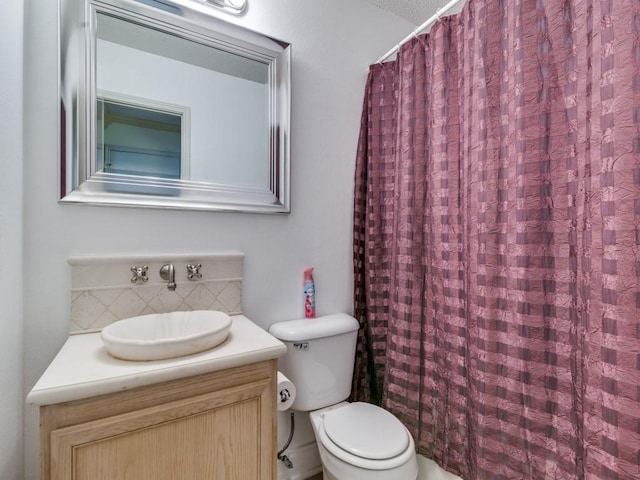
[102, 292]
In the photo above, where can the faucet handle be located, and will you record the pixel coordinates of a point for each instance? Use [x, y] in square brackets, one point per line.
[139, 273]
[193, 271]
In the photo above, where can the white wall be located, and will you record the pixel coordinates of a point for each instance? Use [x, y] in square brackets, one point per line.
[333, 43]
[11, 399]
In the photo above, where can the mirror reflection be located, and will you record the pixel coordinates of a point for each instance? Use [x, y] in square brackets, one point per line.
[157, 67]
[134, 140]
[179, 112]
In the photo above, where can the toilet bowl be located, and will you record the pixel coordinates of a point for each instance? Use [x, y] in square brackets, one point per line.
[356, 441]
[360, 441]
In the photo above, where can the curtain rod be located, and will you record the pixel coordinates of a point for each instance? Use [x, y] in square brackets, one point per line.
[433, 19]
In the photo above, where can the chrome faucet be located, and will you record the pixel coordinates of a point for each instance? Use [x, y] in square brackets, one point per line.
[168, 273]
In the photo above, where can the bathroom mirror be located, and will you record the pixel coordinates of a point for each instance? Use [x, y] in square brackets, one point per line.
[164, 105]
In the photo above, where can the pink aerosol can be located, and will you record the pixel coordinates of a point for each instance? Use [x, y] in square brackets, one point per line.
[309, 294]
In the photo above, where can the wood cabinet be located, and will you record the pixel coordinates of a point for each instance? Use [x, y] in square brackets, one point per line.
[216, 426]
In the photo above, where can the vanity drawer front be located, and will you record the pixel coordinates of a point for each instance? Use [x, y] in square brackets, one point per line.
[214, 436]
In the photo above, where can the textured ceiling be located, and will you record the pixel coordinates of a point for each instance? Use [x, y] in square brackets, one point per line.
[415, 11]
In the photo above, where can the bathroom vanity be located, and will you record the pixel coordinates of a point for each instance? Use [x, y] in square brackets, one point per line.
[207, 416]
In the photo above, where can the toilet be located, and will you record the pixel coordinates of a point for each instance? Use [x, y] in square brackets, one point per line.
[356, 441]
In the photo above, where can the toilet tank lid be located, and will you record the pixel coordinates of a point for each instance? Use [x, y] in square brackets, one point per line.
[312, 328]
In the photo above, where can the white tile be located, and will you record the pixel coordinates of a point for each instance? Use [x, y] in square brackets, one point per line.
[215, 287]
[167, 301]
[128, 304]
[109, 270]
[148, 292]
[231, 297]
[148, 311]
[200, 298]
[102, 292]
[429, 470]
[218, 306]
[107, 318]
[76, 328]
[86, 309]
[108, 295]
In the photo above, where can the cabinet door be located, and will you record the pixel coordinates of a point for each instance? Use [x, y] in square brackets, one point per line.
[215, 436]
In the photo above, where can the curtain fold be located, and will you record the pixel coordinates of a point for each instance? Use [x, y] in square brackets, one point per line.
[497, 240]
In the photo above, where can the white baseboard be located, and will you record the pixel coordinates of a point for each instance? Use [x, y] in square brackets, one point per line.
[306, 463]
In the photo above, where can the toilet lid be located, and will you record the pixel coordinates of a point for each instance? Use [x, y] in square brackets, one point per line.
[366, 430]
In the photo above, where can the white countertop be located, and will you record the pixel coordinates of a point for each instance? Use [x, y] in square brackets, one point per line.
[84, 369]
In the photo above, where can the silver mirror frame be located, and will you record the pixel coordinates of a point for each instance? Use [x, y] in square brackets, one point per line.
[79, 183]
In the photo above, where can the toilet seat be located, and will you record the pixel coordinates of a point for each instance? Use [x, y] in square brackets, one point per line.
[367, 431]
[355, 460]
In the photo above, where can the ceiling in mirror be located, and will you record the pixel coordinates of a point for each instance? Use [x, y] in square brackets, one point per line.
[172, 109]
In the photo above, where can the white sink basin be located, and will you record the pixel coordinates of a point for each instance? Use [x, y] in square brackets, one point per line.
[166, 335]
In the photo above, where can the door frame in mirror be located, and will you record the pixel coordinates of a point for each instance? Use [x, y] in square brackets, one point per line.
[79, 183]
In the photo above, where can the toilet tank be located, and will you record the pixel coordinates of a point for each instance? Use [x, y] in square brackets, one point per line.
[319, 359]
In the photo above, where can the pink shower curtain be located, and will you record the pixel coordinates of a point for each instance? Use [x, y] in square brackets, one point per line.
[497, 240]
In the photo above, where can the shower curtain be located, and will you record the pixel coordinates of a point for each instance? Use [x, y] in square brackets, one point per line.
[497, 240]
